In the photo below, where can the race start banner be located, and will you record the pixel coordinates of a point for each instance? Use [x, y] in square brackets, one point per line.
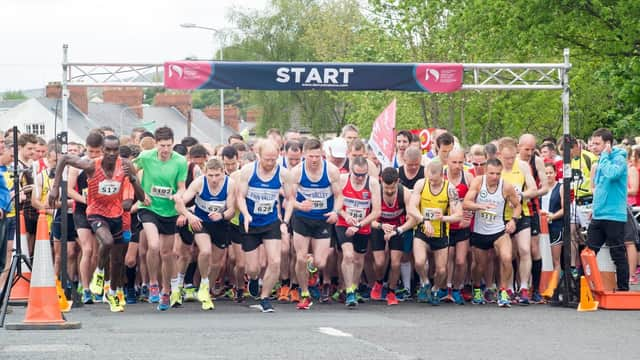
[192, 75]
[382, 140]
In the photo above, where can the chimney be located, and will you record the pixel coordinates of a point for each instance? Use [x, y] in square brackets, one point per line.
[231, 115]
[182, 102]
[77, 95]
[53, 90]
[131, 97]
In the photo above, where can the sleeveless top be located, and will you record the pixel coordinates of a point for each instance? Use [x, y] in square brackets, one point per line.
[105, 195]
[357, 203]
[490, 221]
[318, 192]
[410, 183]
[462, 188]
[431, 204]
[517, 179]
[396, 213]
[207, 203]
[262, 198]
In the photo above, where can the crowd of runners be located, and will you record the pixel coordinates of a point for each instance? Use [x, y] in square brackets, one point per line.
[292, 219]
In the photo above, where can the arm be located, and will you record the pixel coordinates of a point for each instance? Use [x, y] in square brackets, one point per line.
[78, 163]
[231, 200]
[455, 207]
[336, 189]
[187, 196]
[633, 181]
[544, 185]
[469, 202]
[530, 182]
[413, 206]
[243, 189]
[289, 195]
[130, 171]
[410, 222]
[510, 196]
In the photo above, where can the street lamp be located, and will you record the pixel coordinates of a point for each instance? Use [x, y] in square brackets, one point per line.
[220, 34]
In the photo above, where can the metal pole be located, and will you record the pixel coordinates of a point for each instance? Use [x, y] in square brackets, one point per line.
[63, 139]
[221, 95]
[566, 185]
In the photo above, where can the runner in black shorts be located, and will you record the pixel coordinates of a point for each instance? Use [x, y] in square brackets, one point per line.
[214, 195]
[387, 235]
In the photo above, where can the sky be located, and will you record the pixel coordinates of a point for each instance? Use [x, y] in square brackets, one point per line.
[33, 32]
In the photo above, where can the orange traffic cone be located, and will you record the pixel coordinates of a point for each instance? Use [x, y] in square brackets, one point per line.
[20, 288]
[551, 287]
[587, 303]
[65, 305]
[43, 311]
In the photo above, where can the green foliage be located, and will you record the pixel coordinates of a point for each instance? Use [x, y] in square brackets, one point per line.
[14, 95]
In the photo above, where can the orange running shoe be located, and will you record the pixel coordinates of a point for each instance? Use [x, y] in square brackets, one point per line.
[294, 295]
[283, 293]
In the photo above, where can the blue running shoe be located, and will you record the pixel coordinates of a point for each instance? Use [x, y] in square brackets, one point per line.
[154, 294]
[264, 306]
[402, 294]
[435, 297]
[164, 305]
[144, 293]
[457, 297]
[442, 294]
[86, 297]
[351, 300]
[130, 296]
[424, 293]
[536, 298]
[254, 288]
[314, 291]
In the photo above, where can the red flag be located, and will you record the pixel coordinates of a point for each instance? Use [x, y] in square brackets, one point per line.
[382, 139]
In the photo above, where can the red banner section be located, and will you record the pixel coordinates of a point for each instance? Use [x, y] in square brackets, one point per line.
[382, 139]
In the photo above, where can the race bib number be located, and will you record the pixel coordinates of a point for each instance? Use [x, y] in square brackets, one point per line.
[263, 207]
[318, 204]
[431, 213]
[488, 216]
[210, 206]
[161, 191]
[108, 187]
[357, 214]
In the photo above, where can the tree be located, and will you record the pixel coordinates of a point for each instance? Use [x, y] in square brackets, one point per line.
[14, 95]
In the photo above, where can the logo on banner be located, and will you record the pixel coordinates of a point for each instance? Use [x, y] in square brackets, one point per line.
[186, 74]
[439, 77]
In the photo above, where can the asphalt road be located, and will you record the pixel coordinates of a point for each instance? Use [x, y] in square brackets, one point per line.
[372, 331]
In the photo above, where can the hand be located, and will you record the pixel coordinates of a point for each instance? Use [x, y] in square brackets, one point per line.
[53, 197]
[215, 216]
[195, 222]
[428, 228]
[351, 220]
[126, 167]
[284, 228]
[351, 230]
[332, 217]
[388, 228]
[486, 206]
[607, 147]
[181, 220]
[247, 221]
[510, 228]
[437, 216]
[306, 206]
[389, 235]
[147, 200]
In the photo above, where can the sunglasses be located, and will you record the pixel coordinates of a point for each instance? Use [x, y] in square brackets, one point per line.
[479, 164]
[360, 174]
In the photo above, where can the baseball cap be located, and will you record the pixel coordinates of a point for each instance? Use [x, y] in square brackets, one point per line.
[338, 147]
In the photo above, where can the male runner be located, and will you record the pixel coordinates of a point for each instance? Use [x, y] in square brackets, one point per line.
[318, 195]
[488, 197]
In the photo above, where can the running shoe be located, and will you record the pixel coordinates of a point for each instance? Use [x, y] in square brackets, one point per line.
[376, 291]
[314, 279]
[120, 295]
[131, 297]
[97, 283]
[478, 299]
[230, 293]
[351, 300]
[524, 297]
[424, 293]
[536, 298]
[504, 300]
[254, 288]
[264, 306]
[175, 299]
[294, 294]
[325, 293]
[144, 293]
[391, 298]
[105, 289]
[204, 296]
[87, 298]
[338, 296]
[437, 296]
[283, 293]
[457, 297]
[315, 292]
[633, 280]
[304, 304]
[491, 295]
[190, 293]
[467, 293]
[163, 304]
[154, 294]
[114, 303]
[403, 294]
[363, 293]
[239, 295]
[638, 270]
[445, 295]
[512, 296]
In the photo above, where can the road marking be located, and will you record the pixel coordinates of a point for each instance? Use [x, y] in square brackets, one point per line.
[333, 332]
[44, 348]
